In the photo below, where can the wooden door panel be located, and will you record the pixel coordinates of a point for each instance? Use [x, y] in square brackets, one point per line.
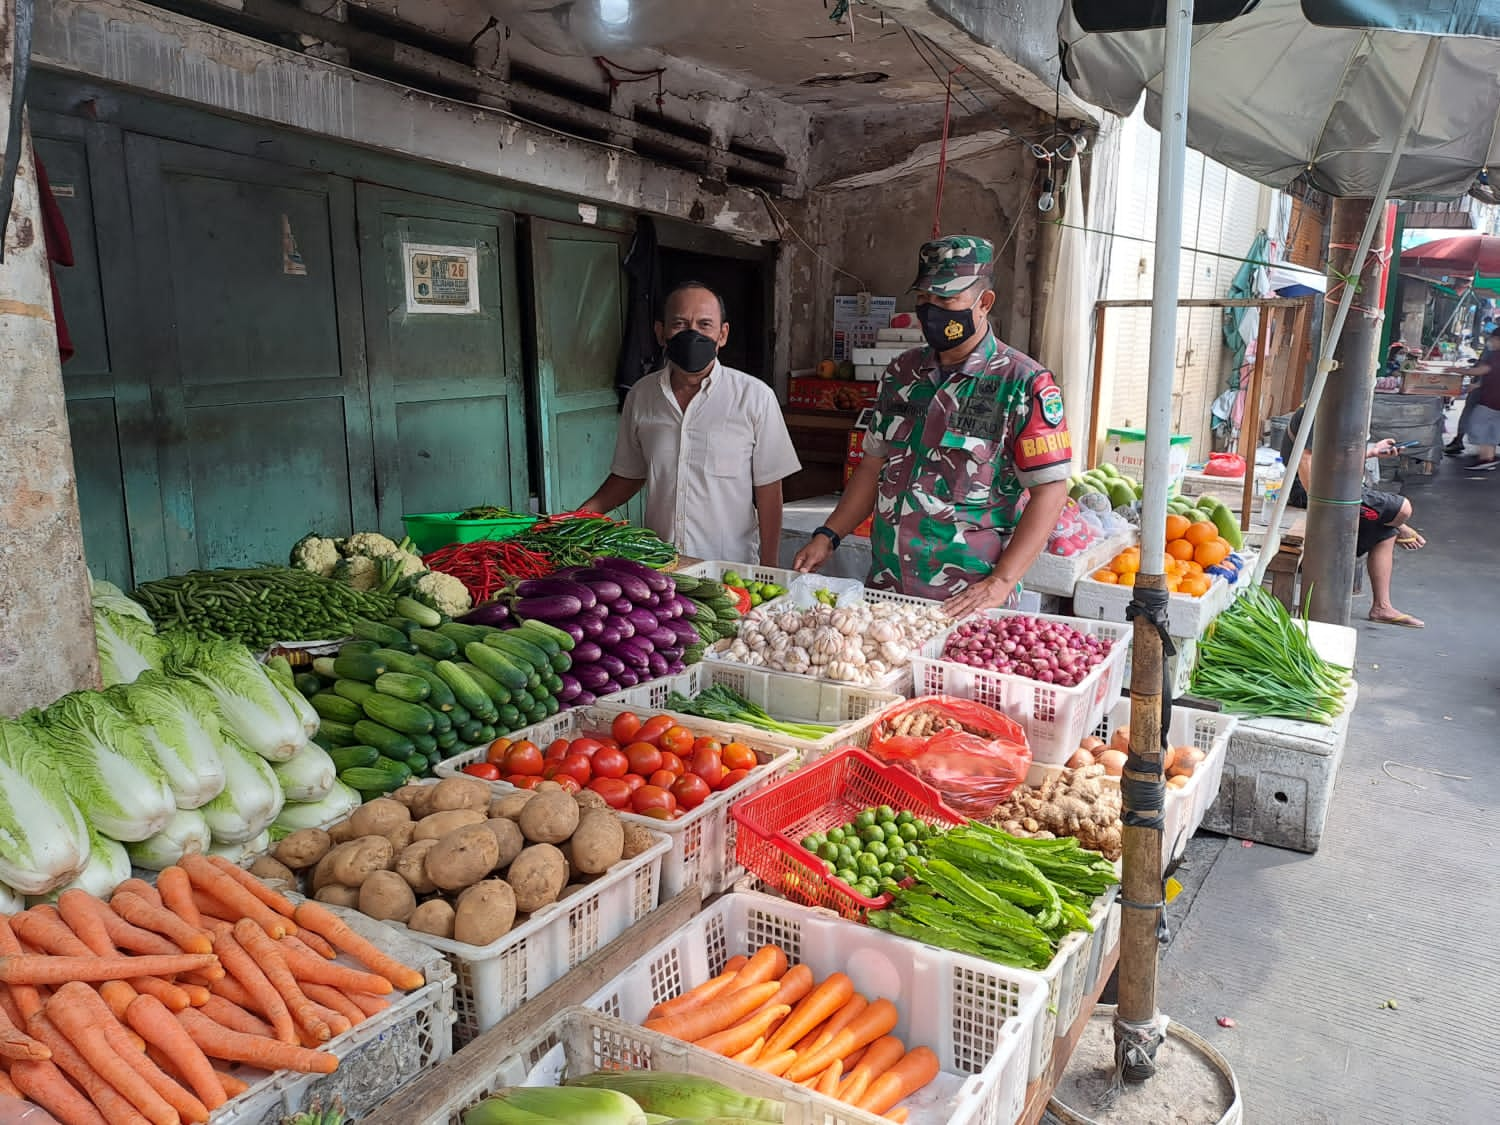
[455, 453]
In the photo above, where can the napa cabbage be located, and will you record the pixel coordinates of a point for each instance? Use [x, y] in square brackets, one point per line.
[338, 804]
[249, 703]
[44, 840]
[127, 645]
[108, 866]
[185, 834]
[106, 595]
[252, 796]
[180, 722]
[307, 775]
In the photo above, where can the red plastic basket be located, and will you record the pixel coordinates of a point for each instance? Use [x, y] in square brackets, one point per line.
[824, 795]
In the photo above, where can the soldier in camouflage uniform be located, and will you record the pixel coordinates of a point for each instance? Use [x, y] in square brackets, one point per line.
[967, 456]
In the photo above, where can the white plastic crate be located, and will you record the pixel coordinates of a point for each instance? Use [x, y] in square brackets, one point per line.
[1186, 617]
[1056, 718]
[975, 1015]
[854, 710]
[750, 572]
[1054, 574]
[376, 1057]
[702, 852]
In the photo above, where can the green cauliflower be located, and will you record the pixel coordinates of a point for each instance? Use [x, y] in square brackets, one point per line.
[316, 554]
[443, 593]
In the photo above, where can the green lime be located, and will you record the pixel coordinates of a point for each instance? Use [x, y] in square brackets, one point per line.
[892, 831]
[865, 819]
[848, 875]
[829, 867]
[909, 831]
[836, 835]
[868, 887]
[896, 854]
[886, 870]
[884, 813]
[877, 849]
[873, 834]
[905, 816]
[867, 863]
[828, 851]
[846, 855]
[811, 843]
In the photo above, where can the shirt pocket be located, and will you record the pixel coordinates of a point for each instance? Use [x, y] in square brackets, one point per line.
[727, 459]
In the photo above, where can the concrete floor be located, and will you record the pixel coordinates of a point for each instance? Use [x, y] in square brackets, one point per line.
[1363, 979]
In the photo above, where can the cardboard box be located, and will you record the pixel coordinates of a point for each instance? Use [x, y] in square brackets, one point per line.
[844, 396]
[1428, 382]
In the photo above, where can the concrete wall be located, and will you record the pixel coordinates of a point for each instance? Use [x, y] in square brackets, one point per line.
[46, 631]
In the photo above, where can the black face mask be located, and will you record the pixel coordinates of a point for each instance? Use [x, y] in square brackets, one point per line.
[692, 351]
[946, 329]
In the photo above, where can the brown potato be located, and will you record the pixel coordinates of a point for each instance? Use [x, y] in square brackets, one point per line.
[486, 912]
[548, 786]
[379, 817]
[386, 897]
[361, 859]
[322, 872]
[303, 848]
[510, 805]
[588, 799]
[274, 873]
[411, 865]
[549, 818]
[341, 833]
[510, 839]
[336, 895]
[637, 840]
[409, 793]
[537, 876]
[435, 916]
[598, 842]
[460, 793]
[462, 857]
[401, 835]
[437, 825]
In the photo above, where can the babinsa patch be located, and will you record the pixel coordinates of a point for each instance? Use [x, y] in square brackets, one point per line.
[1050, 400]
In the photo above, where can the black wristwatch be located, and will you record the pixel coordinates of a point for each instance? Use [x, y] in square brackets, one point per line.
[833, 537]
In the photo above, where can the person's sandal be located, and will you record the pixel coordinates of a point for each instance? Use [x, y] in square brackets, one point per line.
[1411, 539]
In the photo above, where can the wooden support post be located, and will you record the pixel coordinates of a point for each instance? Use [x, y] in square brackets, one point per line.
[1250, 421]
[1097, 391]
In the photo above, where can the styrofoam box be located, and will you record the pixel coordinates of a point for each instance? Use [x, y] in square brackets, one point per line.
[869, 372]
[1056, 718]
[899, 336]
[1186, 617]
[376, 1057]
[877, 356]
[854, 710]
[702, 852]
[1279, 774]
[1054, 574]
[976, 1016]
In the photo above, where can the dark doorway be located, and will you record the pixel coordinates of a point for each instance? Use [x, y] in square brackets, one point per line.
[742, 283]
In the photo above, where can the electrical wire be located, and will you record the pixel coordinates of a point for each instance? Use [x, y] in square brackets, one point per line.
[785, 226]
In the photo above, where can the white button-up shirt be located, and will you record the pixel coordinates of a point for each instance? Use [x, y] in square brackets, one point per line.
[701, 466]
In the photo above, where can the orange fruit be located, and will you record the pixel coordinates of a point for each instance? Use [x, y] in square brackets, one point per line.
[1126, 563]
[1127, 579]
[1211, 553]
[1106, 576]
[1177, 526]
[1200, 533]
[1180, 549]
[1193, 566]
[1173, 584]
[1196, 586]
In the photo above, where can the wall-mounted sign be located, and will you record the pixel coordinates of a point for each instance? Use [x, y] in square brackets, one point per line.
[441, 279]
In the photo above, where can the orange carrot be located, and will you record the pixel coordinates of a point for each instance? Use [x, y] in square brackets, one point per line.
[768, 963]
[233, 1087]
[900, 1115]
[816, 1007]
[8, 1088]
[8, 1006]
[158, 919]
[233, 991]
[233, 1046]
[174, 996]
[197, 995]
[210, 909]
[715, 1015]
[775, 1064]
[836, 1023]
[176, 892]
[77, 910]
[310, 967]
[795, 985]
[828, 1082]
[878, 1058]
[736, 963]
[876, 1020]
[316, 944]
[268, 957]
[46, 1085]
[16, 1044]
[693, 996]
[325, 923]
[73, 1014]
[131, 1048]
[335, 1000]
[208, 877]
[43, 928]
[29, 968]
[917, 1067]
[117, 995]
[151, 1020]
[115, 1107]
[142, 888]
[124, 936]
[252, 978]
[27, 999]
[277, 902]
[368, 1004]
[747, 1056]
[733, 1040]
[235, 1018]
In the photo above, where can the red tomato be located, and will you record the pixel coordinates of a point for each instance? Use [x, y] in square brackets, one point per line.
[707, 764]
[521, 781]
[615, 792]
[670, 761]
[625, 726]
[578, 767]
[569, 784]
[486, 770]
[524, 757]
[705, 740]
[610, 743]
[649, 797]
[733, 777]
[556, 750]
[653, 728]
[586, 746]
[645, 759]
[691, 790]
[662, 814]
[679, 740]
[549, 769]
[662, 778]
[496, 752]
[610, 763]
[634, 781]
[738, 756]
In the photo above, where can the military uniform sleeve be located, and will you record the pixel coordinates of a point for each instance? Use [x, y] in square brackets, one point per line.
[1041, 448]
[630, 458]
[774, 457]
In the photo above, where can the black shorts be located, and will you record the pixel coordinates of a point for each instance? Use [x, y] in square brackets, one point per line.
[1376, 511]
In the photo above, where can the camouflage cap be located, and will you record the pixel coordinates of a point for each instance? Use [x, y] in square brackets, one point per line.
[947, 266]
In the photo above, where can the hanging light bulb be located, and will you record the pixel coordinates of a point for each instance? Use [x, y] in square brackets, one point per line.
[613, 13]
[1046, 201]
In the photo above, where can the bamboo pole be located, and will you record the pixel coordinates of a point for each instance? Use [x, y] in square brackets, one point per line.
[1250, 422]
[1096, 392]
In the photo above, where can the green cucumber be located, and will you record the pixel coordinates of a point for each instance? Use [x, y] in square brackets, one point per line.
[336, 733]
[330, 705]
[551, 706]
[495, 664]
[440, 695]
[470, 733]
[509, 717]
[323, 666]
[536, 714]
[458, 715]
[491, 687]
[308, 683]
[465, 635]
[383, 738]
[564, 641]
[542, 641]
[402, 624]
[435, 645]
[357, 690]
[359, 646]
[519, 648]
[413, 664]
[384, 635]
[408, 718]
[524, 701]
[382, 778]
[465, 690]
[424, 742]
[441, 723]
[399, 685]
[423, 615]
[366, 667]
[347, 757]
[447, 741]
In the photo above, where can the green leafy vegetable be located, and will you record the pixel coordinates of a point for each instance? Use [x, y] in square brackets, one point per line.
[722, 703]
[252, 796]
[186, 833]
[249, 702]
[127, 645]
[43, 837]
[180, 722]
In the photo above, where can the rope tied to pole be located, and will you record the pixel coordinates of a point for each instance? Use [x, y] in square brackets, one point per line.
[1136, 1045]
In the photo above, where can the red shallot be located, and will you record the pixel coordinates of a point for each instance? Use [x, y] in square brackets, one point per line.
[1051, 652]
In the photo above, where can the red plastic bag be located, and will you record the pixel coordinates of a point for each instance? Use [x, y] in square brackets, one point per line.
[1224, 465]
[971, 754]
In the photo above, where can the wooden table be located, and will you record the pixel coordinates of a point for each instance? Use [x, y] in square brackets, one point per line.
[1283, 567]
[1039, 1092]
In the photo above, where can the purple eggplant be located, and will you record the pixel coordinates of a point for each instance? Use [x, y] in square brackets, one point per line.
[687, 608]
[643, 620]
[626, 627]
[574, 630]
[609, 636]
[586, 652]
[653, 601]
[591, 677]
[621, 607]
[570, 688]
[611, 664]
[671, 652]
[605, 583]
[632, 587]
[655, 579]
[677, 666]
[669, 610]
[684, 632]
[636, 652]
[591, 627]
[553, 587]
[627, 679]
[660, 637]
[659, 664]
[553, 607]
[493, 615]
[584, 698]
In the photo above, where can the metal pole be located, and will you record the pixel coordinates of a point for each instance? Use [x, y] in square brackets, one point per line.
[1137, 1029]
[1346, 299]
[1096, 392]
[1250, 420]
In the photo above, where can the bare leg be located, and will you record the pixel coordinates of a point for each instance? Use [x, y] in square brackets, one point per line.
[1380, 563]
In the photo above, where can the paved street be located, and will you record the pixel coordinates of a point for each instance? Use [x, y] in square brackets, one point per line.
[1402, 902]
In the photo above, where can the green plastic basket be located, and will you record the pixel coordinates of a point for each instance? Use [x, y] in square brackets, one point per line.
[439, 529]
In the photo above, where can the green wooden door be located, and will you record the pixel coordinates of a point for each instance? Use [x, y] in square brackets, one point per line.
[445, 361]
[580, 321]
[250, 273]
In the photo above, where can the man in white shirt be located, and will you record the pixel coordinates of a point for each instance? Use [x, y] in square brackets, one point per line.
[707, 442]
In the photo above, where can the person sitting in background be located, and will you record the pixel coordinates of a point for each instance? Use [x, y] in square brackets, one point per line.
[1491, 356]
[1482, 411]
[1383, 523]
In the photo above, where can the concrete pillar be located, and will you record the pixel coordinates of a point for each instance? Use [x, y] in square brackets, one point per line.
[46, 626]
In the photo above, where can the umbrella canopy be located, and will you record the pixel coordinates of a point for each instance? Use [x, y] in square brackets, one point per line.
[1461, 256]
[1312, 87]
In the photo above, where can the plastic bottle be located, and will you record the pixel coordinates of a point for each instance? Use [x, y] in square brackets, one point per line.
[1275, 473]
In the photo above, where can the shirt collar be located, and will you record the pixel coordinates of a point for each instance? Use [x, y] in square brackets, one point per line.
[972, 364]
[708, 384]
